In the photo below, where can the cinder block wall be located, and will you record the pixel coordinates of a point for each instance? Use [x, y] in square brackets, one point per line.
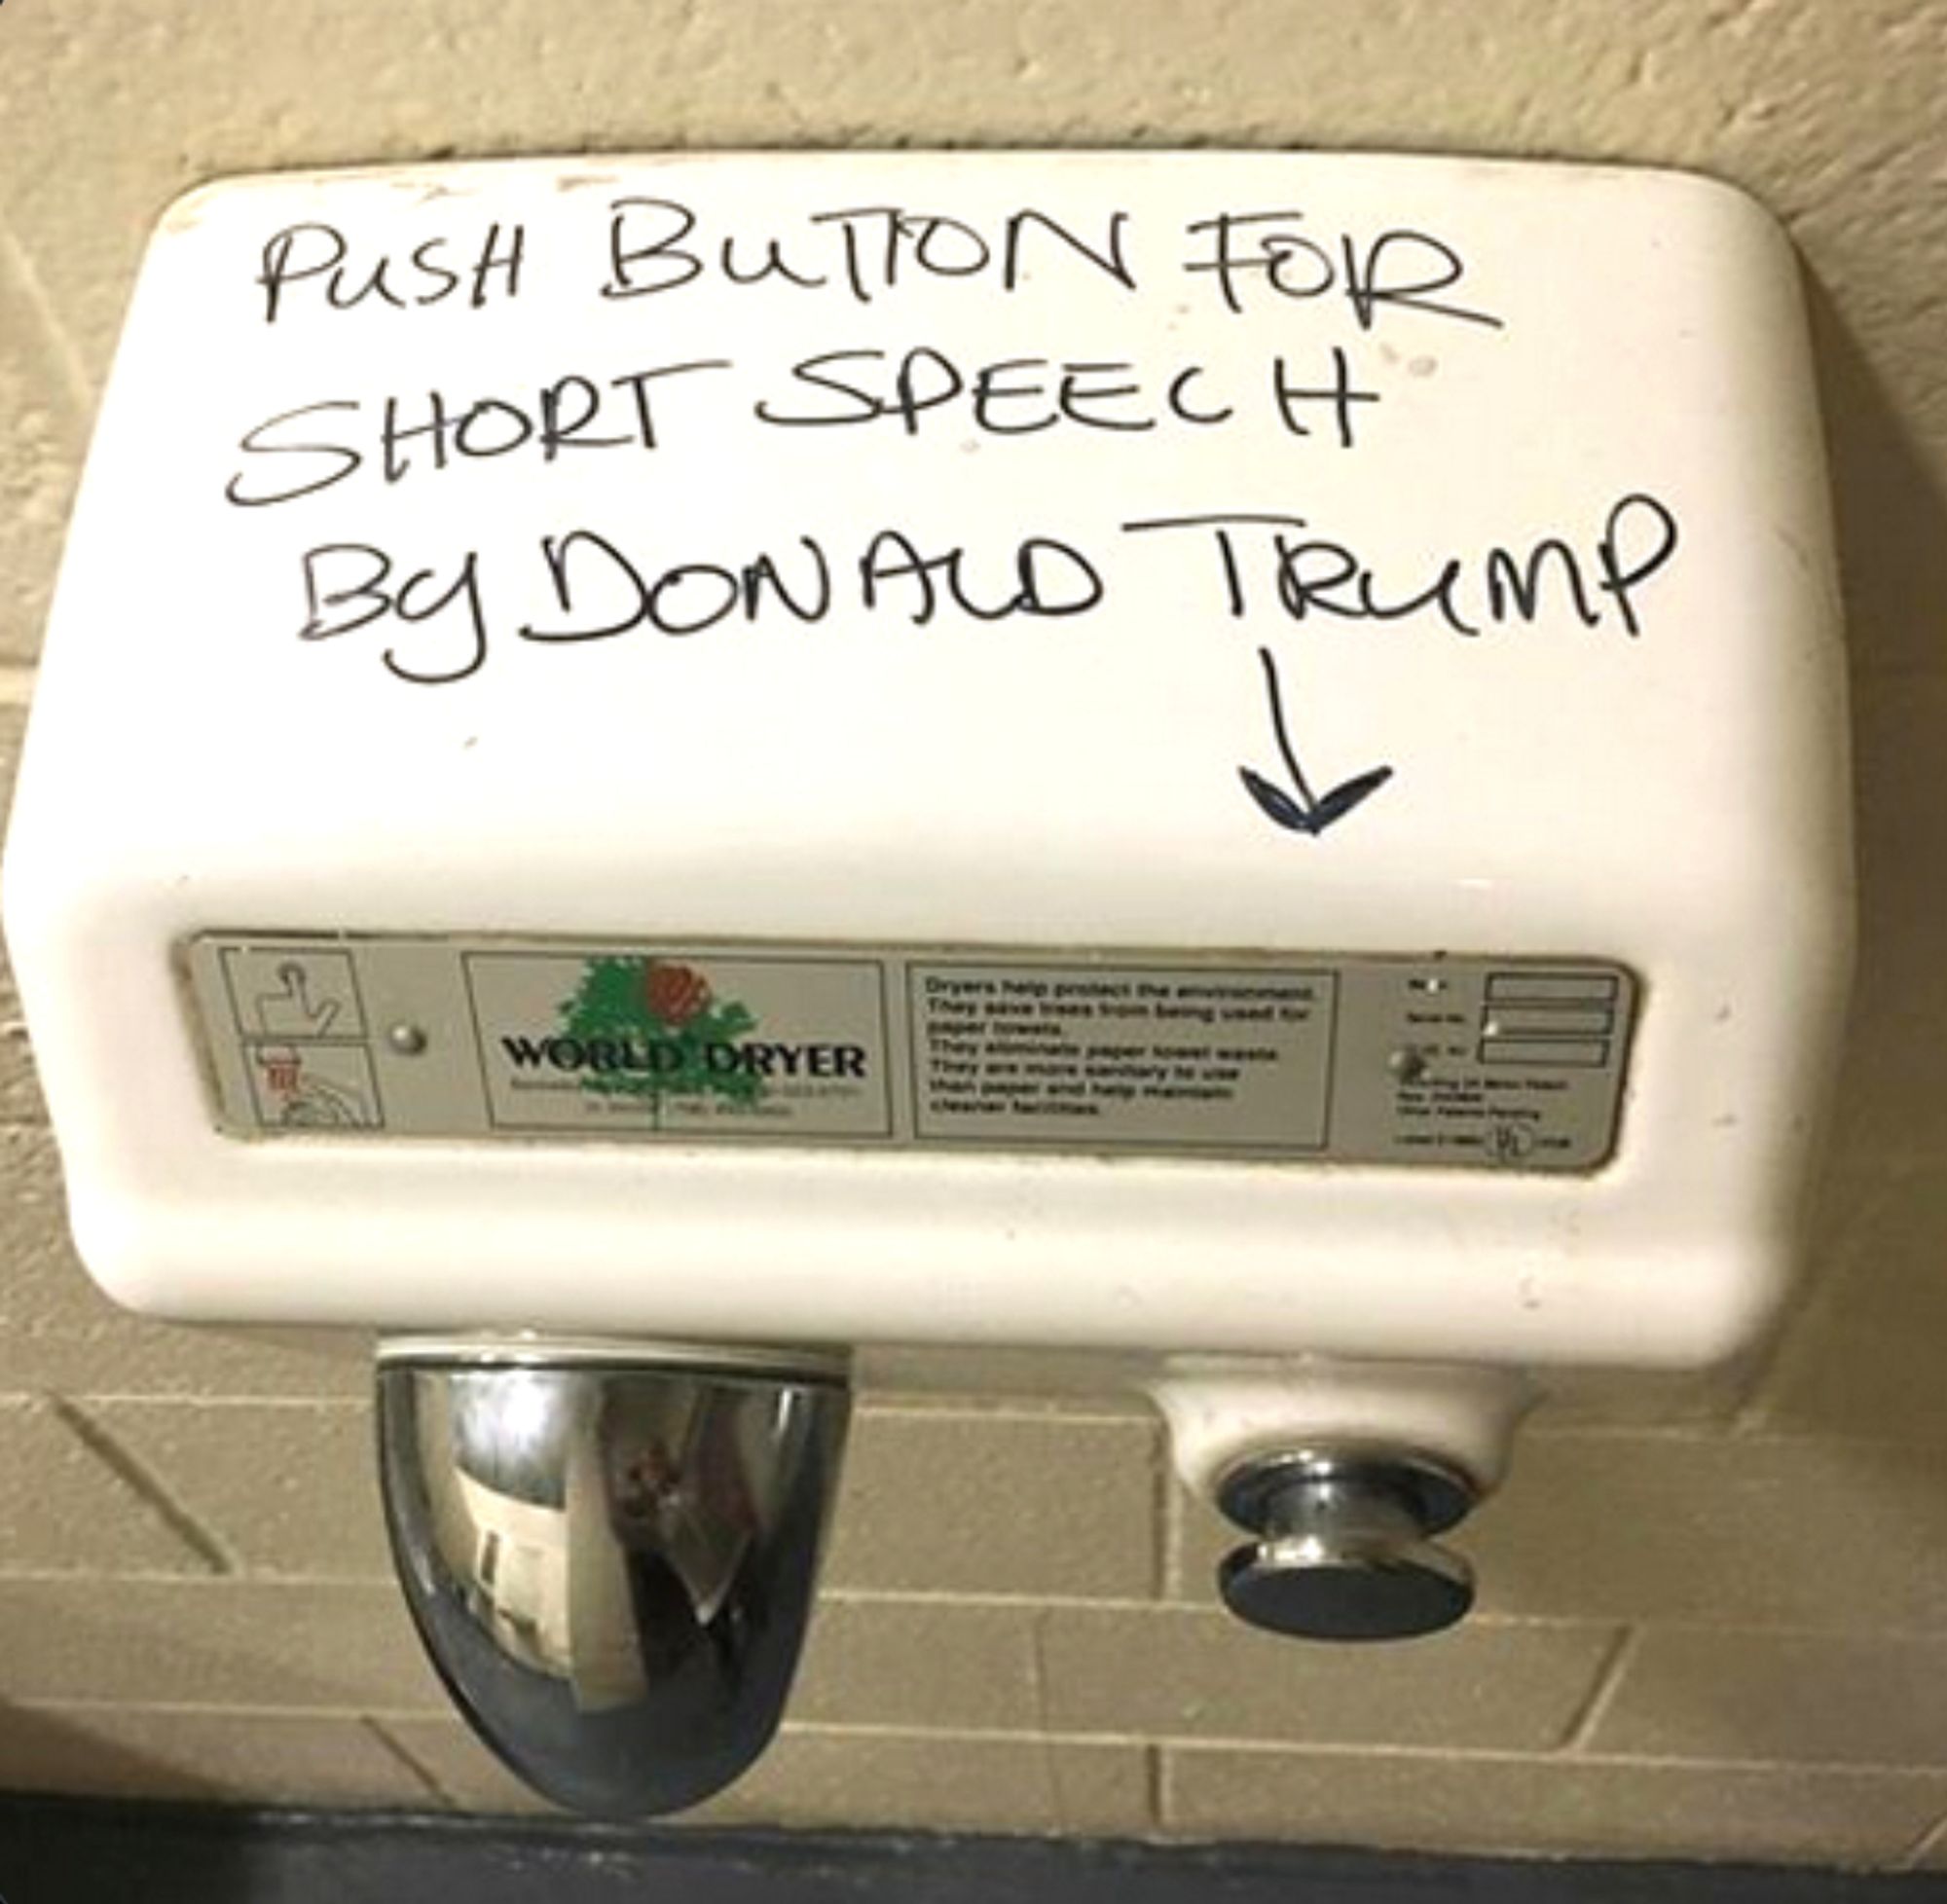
[1723, 1639]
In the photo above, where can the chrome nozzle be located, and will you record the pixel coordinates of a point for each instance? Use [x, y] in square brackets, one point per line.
[610, 1552]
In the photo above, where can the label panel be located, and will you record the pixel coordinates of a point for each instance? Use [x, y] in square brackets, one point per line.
[570, 1042]
[1483, 1063]
[1122, 1056]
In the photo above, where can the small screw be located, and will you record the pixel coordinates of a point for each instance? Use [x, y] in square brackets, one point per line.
[408, 1040]
[1408, 1065]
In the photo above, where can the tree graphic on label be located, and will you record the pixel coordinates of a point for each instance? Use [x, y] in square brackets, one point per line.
[652, 1028]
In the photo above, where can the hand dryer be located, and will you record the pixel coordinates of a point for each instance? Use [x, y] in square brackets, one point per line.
[685, 781]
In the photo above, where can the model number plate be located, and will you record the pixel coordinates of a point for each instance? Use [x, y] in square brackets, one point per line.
[1512, 1063]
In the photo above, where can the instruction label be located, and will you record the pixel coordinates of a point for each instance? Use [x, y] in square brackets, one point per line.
[1502, 1064]
[1167, 1060]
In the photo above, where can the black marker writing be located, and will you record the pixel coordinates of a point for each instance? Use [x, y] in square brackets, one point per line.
[585, 585]
[355, 576]
[317, 255]
[1050, 578]
[1009, 396]
[644, 247]
[1274, 560]
[774, 264]
[585, 570]
[920, 393]
[1339, 396]
[863, 252]
[598, 591]
[433, 432]
[1301, 811]
[1398, 269]
[1623, 573]
[267, 439]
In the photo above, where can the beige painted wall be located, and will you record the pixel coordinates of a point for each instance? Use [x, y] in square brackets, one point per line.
[1722, 1640]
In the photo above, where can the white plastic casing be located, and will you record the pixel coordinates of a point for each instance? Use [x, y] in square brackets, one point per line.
[1672, 798]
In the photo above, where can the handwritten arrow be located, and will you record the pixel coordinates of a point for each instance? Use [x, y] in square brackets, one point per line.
[1307, 813]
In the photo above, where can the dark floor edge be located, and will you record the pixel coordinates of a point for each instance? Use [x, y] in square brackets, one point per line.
[77, 1850]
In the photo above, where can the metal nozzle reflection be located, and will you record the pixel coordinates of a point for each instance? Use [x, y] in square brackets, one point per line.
[611, 1560]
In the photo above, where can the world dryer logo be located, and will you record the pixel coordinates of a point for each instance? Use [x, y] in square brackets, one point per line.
[647, 1028]
[650, 1029]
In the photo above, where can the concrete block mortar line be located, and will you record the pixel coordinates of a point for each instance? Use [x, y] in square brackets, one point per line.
[253, 1578]
[1929, 1841]
[1609, 1672]
[1898, 670]
[1811, 1303]
[1164, 1535]
[1690, 1428]
[1489, 1755]
[341, 1403]
[77, 387]
[1158, 1747]
[89, 1706]
[870, 1596]
[839, 1730]
[1038, 1667]
[1013, 1410]
[1001, 1735]
[1045, 1606]
[191, 1403]
[1162, 1787]
[1048, 1743]
[1215, 1613]
[206, 1581]
[1171, 1548]
[148, 1485]
[409, 1760]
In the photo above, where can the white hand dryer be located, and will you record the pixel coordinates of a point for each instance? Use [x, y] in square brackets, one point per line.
[673, 777]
